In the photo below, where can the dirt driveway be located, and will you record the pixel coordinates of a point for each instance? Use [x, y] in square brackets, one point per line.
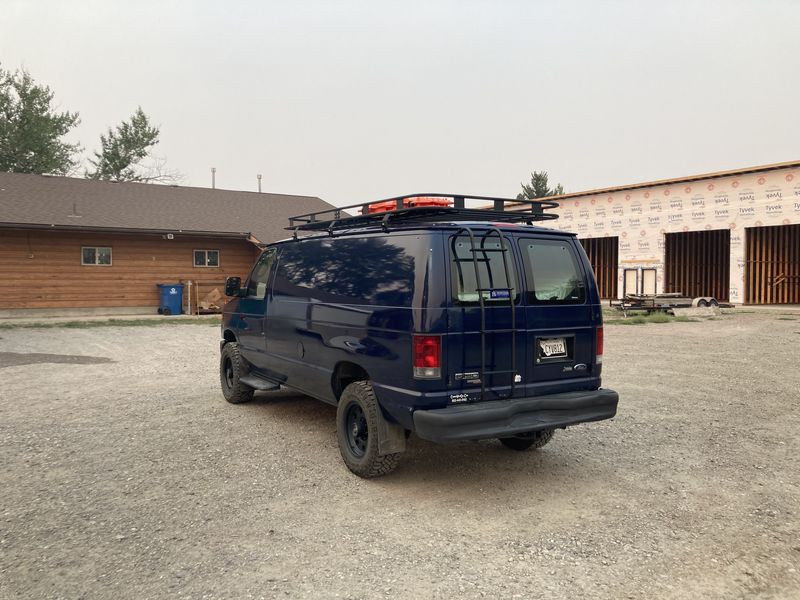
[134, 479]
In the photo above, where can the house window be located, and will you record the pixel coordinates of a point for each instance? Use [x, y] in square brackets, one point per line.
[206, 258]
[94, 255]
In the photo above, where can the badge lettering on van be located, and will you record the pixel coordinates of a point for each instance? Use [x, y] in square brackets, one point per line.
[500, 294]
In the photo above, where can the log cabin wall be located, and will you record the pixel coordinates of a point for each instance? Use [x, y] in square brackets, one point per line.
[42, 269]
[603, 256]
[697, 263]
[772, 265]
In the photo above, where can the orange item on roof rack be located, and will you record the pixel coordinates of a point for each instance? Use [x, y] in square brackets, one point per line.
[429, 201]
[413, 202]
[382, 206]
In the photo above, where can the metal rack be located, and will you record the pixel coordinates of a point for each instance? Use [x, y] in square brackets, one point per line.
[503, 210]
[503, 250]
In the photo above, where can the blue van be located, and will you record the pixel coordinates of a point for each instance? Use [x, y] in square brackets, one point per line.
[450, 322]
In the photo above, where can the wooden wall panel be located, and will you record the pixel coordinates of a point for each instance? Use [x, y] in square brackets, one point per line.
[603, 254]
[697, 263]
[772, 265]
[42, 269]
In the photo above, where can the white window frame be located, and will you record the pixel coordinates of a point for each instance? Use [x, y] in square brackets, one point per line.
[96, 254]
[205, 252]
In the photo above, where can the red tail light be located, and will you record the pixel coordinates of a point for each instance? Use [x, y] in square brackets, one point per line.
[427, 356]
[599, 345]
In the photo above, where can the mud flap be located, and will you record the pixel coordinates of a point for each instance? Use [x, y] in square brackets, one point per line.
[391, 437]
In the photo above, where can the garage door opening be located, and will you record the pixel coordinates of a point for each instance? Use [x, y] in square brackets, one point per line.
[772, 265]
[603, 254]
[697, 263]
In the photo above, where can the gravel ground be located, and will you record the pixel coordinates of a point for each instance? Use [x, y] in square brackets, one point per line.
[134, 479]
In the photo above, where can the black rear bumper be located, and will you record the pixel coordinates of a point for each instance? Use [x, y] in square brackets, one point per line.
[504, 418]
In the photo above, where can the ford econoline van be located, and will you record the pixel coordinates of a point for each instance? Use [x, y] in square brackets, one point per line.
[431, 318]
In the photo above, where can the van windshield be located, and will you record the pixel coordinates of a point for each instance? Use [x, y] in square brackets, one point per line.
[490, 269]
[553, 273]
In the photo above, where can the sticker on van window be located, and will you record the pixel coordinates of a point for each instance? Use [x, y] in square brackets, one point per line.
[499, 294]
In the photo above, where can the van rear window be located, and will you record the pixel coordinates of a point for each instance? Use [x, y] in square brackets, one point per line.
[553, 273]
[490, 269]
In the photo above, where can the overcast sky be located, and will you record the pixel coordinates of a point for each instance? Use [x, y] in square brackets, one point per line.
[352, 101]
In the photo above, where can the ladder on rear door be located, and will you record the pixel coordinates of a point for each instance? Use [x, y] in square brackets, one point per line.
[504, 249]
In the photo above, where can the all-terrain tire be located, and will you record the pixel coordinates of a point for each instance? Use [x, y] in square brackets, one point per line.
[533, 439]
[231, 368]
[357, 418]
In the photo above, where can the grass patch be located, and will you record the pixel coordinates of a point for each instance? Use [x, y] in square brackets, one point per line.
[655, 317]
[213, 322]
[787, 319]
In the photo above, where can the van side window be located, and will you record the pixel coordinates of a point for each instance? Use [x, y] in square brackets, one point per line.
[257, 286]
[490, 268]
[554, 276]
[367, 270]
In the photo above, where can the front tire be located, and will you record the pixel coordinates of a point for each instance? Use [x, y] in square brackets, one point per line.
[357, 418]
[231, 368]
[532, 439]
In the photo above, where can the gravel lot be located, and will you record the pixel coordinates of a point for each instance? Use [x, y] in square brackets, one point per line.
[126, 475]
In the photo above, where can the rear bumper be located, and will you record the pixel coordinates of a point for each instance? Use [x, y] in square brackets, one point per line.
[504, 418]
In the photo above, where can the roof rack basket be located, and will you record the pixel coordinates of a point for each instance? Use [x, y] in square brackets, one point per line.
[502, 210]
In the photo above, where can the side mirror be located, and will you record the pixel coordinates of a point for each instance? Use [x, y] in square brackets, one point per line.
[233, 286]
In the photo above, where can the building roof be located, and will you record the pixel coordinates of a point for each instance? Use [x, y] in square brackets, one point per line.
[677, 180]
[72, 203]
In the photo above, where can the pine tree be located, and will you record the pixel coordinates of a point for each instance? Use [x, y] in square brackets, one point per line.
[539, 187]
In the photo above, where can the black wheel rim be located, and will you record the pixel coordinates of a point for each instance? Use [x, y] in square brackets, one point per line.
[227, 370]
[356, 430]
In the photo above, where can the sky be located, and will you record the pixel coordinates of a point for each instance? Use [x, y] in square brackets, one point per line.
[360, 100]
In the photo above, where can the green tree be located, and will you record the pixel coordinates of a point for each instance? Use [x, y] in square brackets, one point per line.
[31, 130]
[539, 187]
[123, 149]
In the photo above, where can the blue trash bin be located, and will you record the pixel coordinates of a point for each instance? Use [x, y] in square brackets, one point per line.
[170, 298]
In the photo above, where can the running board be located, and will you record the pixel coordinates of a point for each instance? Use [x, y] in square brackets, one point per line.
[257, 383]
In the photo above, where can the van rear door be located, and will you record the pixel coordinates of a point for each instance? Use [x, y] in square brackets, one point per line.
[560, 298]
[486, 332]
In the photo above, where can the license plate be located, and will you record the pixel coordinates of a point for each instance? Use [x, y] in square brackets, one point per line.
[552, 348]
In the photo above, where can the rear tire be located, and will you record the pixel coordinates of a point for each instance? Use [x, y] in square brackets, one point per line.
[231, 368]
[532, 439]
[357, 418]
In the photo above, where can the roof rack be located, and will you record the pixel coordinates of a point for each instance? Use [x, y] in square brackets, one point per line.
[523, 211]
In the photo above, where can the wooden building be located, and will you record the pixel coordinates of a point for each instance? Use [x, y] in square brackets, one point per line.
[734, 235]
[72, 246]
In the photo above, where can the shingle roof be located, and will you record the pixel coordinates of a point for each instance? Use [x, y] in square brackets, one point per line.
[41, 200]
